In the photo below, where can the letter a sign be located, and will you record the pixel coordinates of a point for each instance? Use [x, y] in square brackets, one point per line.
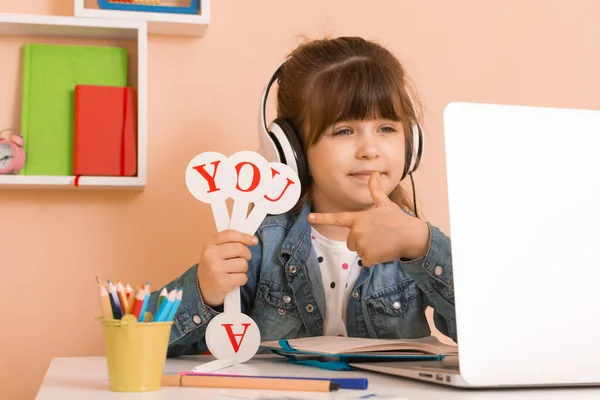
[233, 337]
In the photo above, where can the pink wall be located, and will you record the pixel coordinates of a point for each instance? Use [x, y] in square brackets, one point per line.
[203, 95]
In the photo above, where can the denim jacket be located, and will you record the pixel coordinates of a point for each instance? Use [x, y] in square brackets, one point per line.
[285, 296]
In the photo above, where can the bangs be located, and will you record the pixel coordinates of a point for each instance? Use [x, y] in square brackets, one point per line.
[359, 89]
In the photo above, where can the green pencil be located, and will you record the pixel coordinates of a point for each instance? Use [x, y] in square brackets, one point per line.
[163, 295]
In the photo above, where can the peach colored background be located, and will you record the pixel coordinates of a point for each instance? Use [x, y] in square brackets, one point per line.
[203, 95]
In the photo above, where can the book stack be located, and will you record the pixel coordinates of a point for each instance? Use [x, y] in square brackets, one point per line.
[78, 116]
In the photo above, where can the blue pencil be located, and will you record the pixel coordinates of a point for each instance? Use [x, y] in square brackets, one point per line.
[163, 310]
[145, 304]
[175, 306]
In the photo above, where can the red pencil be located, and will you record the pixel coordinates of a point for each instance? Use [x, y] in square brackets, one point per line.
[139, 302]
[128, 291]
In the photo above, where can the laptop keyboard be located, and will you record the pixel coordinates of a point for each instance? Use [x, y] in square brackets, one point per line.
[448, 367]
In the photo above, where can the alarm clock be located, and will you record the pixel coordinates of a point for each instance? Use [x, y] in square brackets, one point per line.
[12, 154]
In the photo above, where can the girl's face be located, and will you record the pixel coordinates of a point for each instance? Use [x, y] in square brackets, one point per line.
[342, 161]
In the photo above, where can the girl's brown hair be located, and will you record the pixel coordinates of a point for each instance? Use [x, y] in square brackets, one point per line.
[326, 81]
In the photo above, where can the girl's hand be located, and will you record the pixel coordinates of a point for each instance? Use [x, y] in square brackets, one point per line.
[223, 265]
[383, 233]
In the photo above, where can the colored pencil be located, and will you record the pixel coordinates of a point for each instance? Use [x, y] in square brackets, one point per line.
[345, 383]
[114, 301]
[162, 297]
[145, 304]
[226, 382]
[105, 306]
[128, 291]
[139, 297]
[165, 307]
[131, 302]
[122, 296]
[175, 305]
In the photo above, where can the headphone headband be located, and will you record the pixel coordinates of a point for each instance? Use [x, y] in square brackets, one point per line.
[281, 142]
[263, 101]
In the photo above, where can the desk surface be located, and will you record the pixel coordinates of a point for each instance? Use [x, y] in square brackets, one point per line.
[86, 378]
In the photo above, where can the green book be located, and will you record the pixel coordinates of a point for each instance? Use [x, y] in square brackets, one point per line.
[50, 73]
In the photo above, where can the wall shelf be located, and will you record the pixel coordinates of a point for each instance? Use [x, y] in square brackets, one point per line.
[158, 23]
[68, 182]
[49, 28]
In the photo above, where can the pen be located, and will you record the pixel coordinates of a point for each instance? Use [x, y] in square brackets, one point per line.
[344, 383]
[227, 382]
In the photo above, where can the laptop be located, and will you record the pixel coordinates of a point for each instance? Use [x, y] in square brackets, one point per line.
[524, 208]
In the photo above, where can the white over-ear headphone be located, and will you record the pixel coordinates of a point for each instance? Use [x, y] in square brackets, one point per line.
[280, 141]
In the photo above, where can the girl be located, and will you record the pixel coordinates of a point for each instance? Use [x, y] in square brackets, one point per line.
[351, 259]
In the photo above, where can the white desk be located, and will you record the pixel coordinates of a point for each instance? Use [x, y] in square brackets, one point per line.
[86, 378]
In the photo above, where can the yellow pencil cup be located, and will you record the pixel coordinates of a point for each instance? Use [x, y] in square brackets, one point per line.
[135, 353]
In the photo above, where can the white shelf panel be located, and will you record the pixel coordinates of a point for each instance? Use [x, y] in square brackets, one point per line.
[47, 25]
[92, 28]
[158, 23]
[68, 182]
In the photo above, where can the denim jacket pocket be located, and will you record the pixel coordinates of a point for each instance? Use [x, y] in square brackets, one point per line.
[398, 311]
[275, 312]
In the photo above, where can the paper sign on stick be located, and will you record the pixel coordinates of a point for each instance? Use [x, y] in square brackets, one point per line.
[232, 336]
[282, 194]
[210, 178]
[247, 177]
[253, 181]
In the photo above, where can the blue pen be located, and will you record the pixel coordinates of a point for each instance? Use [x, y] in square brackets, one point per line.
[345, 383]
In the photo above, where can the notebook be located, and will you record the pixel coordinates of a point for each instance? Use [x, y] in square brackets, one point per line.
[351, 348]
[50, 73]
[105, 131]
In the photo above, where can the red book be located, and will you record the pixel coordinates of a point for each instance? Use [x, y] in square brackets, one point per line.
[105, 141]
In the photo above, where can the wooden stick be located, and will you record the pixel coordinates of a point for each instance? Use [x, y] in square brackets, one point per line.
[223, 382]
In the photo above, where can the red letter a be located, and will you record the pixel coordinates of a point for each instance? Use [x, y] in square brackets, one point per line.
[234, 343]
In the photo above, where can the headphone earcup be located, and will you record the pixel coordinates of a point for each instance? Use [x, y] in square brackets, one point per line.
[414, 155]
[291, 152]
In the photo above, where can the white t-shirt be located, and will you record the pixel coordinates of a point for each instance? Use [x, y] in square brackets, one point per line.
[339, 268]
